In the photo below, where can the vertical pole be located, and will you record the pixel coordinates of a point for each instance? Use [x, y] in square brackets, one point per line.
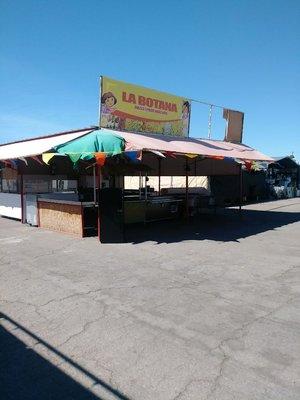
[98, 200]
[159, 175]
[140, 186]
[94, 183]
[22, 198]
[186, 189]
[209, 121]
[38, 212]
[240, 189]
[82, 220]
[100, 95]
[146, 188]
[190, 105]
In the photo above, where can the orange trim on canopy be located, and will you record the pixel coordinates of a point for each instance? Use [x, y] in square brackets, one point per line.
[100, 159]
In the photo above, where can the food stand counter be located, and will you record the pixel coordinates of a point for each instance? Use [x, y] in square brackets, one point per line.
[154, 208]
[75, 217]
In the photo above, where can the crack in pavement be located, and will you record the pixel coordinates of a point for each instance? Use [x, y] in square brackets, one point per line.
[235, 332]
[219, 376]
[52, 252]
[185, 388]
[35, 307]
[82, 330]
[236, 336]
[281, 274]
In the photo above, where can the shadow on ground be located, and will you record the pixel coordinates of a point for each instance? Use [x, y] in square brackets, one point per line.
[26, 375]
[225, 226]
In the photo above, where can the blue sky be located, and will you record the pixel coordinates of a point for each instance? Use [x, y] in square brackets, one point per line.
[241, 54]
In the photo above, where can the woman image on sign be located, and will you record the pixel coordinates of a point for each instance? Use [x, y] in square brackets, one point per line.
[108, 101]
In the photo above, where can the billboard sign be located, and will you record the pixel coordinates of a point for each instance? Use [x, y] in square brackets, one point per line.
[132, 108]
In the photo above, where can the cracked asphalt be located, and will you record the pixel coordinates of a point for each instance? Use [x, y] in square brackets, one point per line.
[214, 314]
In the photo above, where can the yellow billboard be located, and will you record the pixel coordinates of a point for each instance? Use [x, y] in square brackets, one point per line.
[127, 107]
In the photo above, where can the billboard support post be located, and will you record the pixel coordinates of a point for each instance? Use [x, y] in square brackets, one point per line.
[100, 97]
[209, 121]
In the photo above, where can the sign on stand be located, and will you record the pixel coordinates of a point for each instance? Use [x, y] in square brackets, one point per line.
[127, 107]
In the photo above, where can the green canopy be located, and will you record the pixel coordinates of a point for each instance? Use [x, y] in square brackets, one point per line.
[85, 147]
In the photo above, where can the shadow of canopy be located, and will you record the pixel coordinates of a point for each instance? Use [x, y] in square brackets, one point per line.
[225, 226]
[26, 375]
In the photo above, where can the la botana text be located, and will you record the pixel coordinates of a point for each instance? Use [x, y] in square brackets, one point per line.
[148, 102]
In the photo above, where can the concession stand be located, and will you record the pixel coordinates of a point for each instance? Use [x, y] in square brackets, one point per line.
[73, 182]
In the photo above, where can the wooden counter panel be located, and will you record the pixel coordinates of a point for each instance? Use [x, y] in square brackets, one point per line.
[60, 217]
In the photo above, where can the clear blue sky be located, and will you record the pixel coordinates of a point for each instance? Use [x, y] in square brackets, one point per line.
[242, 54]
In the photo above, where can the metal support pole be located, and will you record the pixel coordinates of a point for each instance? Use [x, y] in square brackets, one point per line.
[140, 186]
[186, 189]
[94, 183]
[23, 206]
[146, 184]
[159, 175]
[209, 121]
[98, 199]
[240, 190]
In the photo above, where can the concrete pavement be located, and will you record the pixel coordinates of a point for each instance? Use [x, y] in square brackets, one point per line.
[210, 311]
